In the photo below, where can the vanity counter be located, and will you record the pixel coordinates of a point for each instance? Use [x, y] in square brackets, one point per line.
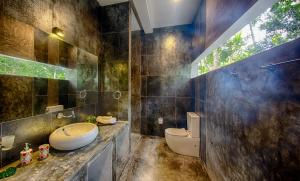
[69, 164]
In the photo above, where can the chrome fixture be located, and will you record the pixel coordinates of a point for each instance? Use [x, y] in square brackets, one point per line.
[61, 115]
[280, 63]
[117, 95]
[7, 142]
[82, 94]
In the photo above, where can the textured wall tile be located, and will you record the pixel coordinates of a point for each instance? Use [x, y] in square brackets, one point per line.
[92, 97]
[107, 104]
[72, 100]
[16, 38]
[221, 15]
[203, 134]
[111, 47]
[123, 106]
[34, 12]
[85, 111]
[160, 86]
[184, 87]
[144, 65]
[63, 87]
[40, 86]
[68, 101]
[53, 51]
[124, 46]
[64, 17]
[136, 114]
[116, 76]
[40, 46]
[144, 86]
[64, 54]
[159, 107]
[136, 64]
[88, 28]
[111, 77]
[122, 69]
[1, 7]
[251, 118]
[184, 105]
[155, 66]
[165, 58]
[87, 71]
[33, 130]
[143, 107]
[15, 97]
[115, 18]
[39, 104]
[135, 84]
[53, 93]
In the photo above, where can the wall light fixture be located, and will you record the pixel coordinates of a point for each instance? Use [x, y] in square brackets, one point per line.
[57, 31]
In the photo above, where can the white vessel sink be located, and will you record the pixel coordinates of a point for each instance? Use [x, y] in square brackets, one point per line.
[73, 136]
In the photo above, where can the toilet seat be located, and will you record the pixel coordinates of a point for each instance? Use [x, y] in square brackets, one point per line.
[177, 132]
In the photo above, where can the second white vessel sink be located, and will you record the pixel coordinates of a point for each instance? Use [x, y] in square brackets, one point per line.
[73, 136]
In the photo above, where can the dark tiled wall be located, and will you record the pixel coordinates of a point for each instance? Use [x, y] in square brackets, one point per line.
[199, 30]
[220, 15]
[214, 17]
[165, 89]
[114, 61]
[136, 52]
[25, 27]
[77, 18]
[250, 117]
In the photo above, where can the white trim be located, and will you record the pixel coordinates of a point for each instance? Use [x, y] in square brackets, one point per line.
[257, 9]
[142, 8]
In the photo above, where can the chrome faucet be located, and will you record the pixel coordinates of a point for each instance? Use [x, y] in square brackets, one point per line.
[61, 115]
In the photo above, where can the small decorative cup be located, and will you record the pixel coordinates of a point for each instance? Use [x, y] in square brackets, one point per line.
[26, 157]
[44, 151]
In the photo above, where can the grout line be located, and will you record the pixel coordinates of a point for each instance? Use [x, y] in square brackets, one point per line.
[169, 97]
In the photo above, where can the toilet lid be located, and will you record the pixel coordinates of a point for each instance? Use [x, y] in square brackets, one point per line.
[177, 132]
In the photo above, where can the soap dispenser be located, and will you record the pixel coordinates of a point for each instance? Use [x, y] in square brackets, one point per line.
[26, 155]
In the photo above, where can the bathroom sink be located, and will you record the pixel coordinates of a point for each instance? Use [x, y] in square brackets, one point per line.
[73, 136]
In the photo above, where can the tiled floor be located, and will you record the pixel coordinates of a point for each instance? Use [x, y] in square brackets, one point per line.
[135, 139]
[154, 161]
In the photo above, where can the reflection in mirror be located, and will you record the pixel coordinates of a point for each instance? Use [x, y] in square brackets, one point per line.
[28, 86]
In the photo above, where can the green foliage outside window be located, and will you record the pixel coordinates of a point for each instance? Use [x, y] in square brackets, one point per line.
[278, 25]
[22, 67]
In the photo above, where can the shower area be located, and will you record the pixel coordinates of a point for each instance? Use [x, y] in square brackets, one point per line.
[119, 92]
[114, 62]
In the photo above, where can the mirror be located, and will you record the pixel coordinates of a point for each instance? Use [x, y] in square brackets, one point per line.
[49, 78]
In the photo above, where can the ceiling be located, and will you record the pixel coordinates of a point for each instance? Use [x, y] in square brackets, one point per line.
[160, 13]
[172, 12]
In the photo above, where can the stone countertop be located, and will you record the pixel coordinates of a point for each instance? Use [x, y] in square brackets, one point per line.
[65, 165]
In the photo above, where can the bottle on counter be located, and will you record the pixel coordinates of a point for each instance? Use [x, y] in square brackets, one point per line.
[44, 151]
[26, 155]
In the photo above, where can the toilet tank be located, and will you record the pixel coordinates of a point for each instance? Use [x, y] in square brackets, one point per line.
[193, 124]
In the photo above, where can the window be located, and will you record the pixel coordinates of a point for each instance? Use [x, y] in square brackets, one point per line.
[22, 67]
[276, 26]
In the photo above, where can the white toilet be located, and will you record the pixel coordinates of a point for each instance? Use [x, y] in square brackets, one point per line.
[185, 142]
